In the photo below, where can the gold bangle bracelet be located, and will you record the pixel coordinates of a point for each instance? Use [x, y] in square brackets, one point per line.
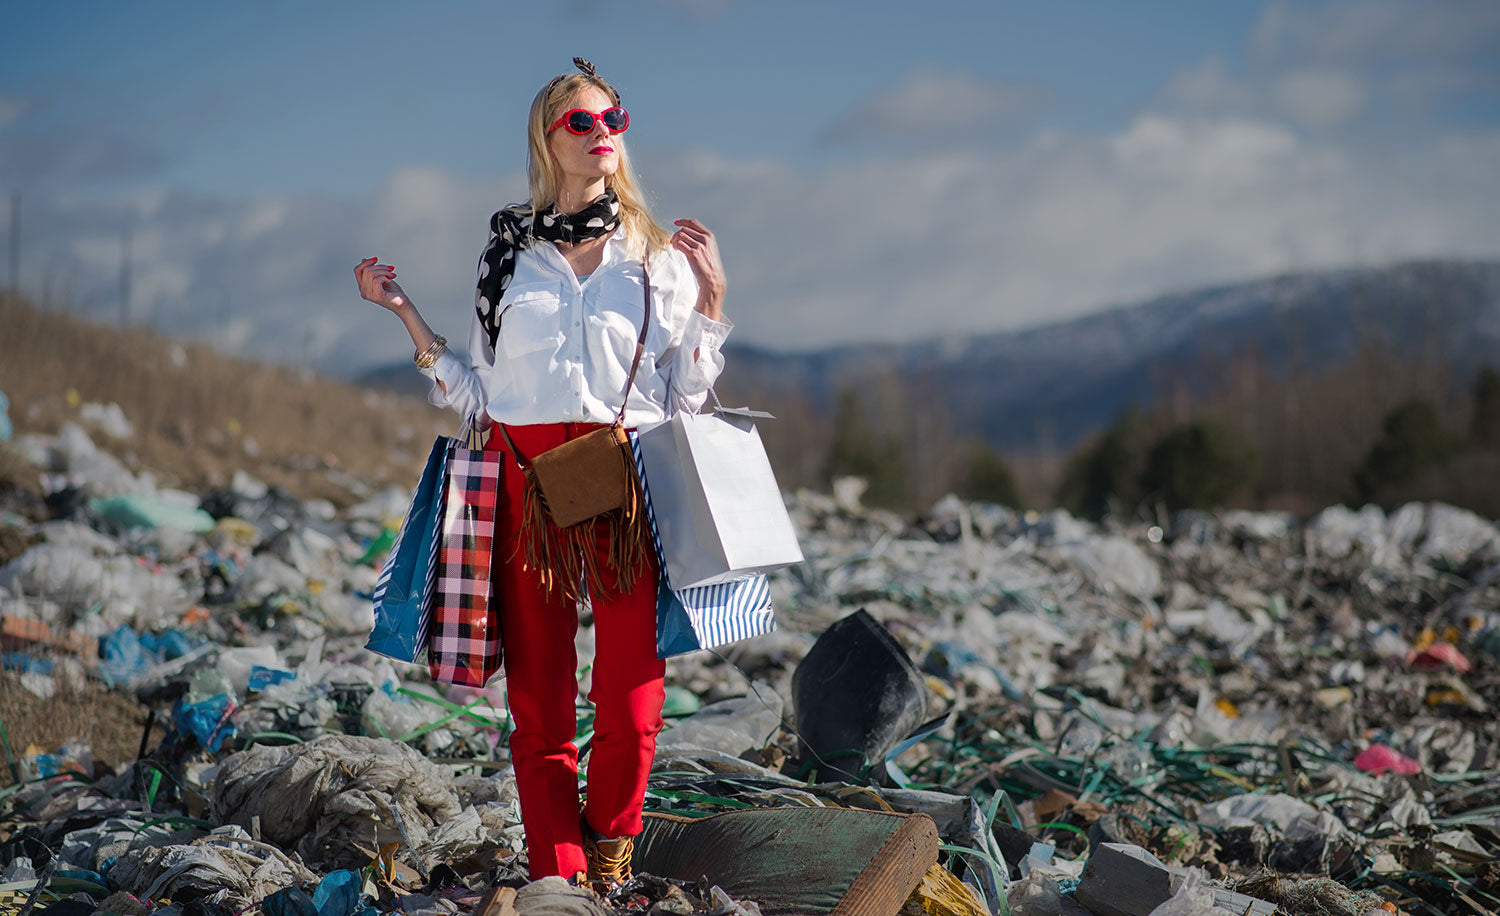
[429, 356]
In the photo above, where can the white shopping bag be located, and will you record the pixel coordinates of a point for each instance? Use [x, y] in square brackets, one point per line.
[718, 509]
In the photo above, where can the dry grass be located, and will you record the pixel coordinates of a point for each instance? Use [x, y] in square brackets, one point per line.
[199, 414]
[110, 721]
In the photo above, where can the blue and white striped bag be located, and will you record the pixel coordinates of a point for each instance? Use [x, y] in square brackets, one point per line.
[706, 616]
[403, 594]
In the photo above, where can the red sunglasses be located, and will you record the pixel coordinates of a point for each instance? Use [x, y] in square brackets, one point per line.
[581, 121]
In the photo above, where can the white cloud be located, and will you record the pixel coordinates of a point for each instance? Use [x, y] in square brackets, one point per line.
[1320, 98]
[1226, 175]
[903, 246]
[926, 103]
[1374, 32]
[1351, 65]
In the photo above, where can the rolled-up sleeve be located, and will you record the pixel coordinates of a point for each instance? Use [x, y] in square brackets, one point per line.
[694, 359]
[467, 383]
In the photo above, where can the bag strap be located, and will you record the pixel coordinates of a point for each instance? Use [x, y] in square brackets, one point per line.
[635, 364]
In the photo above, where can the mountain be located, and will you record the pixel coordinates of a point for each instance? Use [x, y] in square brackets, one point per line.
[1049, 386]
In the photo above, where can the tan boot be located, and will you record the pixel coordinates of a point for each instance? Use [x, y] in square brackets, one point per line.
[609, 860]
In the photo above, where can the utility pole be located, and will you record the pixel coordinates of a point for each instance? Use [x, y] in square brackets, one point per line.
[125, 278]
[15, 243]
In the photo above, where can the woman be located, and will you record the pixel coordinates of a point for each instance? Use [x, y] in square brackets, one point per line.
[558, 310]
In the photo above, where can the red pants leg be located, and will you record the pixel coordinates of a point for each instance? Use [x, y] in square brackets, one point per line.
[541, 685]
[628, 691]
[540, 681]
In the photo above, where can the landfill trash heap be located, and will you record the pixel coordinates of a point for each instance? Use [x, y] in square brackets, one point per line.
[979, 711]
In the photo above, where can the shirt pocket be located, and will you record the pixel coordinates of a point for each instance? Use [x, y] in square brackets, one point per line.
[531, 319]
[620, 307]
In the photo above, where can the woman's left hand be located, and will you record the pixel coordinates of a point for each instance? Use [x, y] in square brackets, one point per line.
[693, 239]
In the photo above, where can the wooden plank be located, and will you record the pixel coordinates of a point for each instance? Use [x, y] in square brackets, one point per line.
[497, 901]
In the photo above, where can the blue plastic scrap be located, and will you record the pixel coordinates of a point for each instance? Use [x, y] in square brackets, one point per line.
[262, 677]
[338, 893]
[24, 662]
[289, 901]
[125, 659]
[207, 720]
[170, 644]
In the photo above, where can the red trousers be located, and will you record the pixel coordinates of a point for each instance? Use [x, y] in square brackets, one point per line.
[541, 685]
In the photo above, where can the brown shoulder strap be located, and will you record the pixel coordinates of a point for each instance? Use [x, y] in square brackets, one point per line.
[640, 347]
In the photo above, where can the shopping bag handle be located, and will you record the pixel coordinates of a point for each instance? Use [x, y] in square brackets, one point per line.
[734, 411]
[468, 433]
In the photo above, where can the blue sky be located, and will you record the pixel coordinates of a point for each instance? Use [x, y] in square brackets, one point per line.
[875, 171]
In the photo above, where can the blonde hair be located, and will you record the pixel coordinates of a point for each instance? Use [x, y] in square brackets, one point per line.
[641, 229]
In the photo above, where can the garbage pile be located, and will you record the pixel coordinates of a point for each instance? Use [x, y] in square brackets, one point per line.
[980, 711]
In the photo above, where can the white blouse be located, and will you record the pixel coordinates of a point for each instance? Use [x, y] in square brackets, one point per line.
[565, 345]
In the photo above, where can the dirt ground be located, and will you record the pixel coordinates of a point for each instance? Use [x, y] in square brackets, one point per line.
[111, 721]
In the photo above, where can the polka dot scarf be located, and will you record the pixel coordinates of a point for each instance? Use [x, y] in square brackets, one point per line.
[514, 229]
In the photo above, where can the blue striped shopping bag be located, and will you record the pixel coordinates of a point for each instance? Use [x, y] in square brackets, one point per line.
[403, 594]
[705, 616]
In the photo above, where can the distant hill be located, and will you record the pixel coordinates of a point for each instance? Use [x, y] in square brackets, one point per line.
[1050, 386]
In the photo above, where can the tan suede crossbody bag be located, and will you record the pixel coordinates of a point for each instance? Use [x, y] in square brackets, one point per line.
[590, 477]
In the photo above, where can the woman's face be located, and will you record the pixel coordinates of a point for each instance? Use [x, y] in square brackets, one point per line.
[595, 154]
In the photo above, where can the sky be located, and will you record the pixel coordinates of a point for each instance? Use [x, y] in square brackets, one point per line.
[874, 171]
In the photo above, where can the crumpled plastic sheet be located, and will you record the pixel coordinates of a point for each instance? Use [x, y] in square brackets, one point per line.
[224, 867]
[75, 578]
[91, 847]
[1313, 840]
[1193, 897]
[330, 796]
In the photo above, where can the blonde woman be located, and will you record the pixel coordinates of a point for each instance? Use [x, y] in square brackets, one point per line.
[558, 310]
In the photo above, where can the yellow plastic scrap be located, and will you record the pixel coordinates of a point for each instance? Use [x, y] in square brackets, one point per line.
[1224, 705]
[236, 530]
[385, 863]
[941, 894]
[1438, 696]
[1425, 639]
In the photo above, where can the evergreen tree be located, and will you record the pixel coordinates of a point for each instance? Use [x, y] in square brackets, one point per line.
[987, 478]
[1412, 439]
[1200, 464]
[1105, 471]
[859, 451]
[1485, 426]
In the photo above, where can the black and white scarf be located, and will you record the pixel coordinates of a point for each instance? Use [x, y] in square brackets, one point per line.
[514, 228]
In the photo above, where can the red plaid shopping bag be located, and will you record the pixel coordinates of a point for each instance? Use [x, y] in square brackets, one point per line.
[465, 643]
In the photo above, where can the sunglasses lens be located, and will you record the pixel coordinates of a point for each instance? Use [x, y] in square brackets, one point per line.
[580, 122]
[615, 119]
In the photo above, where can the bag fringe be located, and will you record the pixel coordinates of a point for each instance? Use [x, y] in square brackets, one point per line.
[566, 560]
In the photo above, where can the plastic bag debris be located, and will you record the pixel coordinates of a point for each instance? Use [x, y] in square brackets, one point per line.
[732, 726]
[1378, 758]
[1122, 682]
[1193, 897]
[152, 512]
[330, 796]
[856, 694]
[225, 867]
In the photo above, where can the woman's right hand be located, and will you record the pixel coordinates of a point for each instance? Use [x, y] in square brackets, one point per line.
[377, 283]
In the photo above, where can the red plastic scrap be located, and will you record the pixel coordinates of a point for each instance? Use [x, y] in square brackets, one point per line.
[1379, 758]
[1439, 655]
